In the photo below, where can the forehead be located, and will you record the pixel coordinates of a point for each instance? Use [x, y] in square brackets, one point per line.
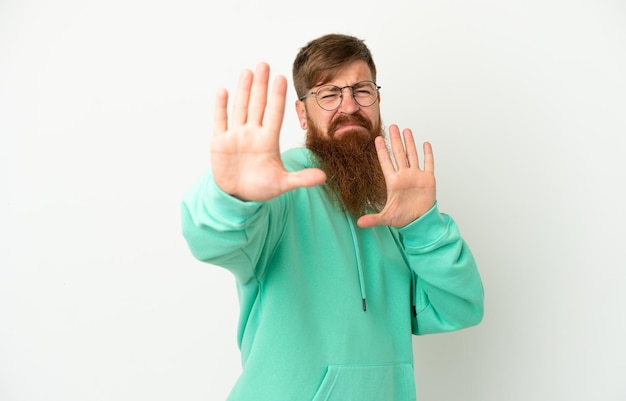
[350, 74]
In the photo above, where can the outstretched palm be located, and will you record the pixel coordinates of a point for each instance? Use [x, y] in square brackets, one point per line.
[411, 190]
[245, 156]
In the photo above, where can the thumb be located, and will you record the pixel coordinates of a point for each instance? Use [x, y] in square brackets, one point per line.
[369, 220]
[307, 177]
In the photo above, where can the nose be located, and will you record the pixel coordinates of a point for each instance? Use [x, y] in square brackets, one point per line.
[348, 104]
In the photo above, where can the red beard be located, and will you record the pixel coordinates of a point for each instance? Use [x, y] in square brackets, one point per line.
[355, 180]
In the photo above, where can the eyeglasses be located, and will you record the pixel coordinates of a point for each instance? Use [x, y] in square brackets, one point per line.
[329, 97]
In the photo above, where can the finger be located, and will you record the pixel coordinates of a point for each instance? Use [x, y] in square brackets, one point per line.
[369, 220]
[258, 94]
[383, 155]
[307, 177]
[276, 106]
[242, 97]
[429, 158]
[397, 147]
[411, 149]
[220, 113]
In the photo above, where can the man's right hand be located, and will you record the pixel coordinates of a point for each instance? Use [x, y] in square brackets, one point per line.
[245, 156]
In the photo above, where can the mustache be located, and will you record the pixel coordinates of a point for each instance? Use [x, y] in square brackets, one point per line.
[344, 119]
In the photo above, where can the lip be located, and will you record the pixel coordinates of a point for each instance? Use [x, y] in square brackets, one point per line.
[349, 127]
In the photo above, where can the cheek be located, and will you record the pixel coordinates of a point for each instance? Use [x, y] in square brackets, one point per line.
[373, 114]
[321, 121]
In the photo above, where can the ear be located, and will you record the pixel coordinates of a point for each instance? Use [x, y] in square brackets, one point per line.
[301, 112]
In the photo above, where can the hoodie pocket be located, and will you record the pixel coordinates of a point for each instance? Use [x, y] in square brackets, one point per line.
[390, 382]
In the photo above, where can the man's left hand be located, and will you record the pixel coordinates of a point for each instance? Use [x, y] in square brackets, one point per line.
[411, 190]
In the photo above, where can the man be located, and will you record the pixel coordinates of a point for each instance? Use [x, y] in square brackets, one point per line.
[339, 250]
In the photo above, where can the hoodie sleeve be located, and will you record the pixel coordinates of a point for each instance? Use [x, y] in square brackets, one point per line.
[446, 288]
[225, 231]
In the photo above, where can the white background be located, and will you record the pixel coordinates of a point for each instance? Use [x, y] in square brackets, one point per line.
[105, 119]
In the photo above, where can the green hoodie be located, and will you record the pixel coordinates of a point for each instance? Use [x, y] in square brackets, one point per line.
[327, 309]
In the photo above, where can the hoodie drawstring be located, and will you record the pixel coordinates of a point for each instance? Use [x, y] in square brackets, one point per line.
[358, 263]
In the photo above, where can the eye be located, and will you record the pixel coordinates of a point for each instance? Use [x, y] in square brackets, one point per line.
[328, 93]
[364, 89]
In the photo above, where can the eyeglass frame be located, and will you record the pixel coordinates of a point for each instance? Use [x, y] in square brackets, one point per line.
[341, 88]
